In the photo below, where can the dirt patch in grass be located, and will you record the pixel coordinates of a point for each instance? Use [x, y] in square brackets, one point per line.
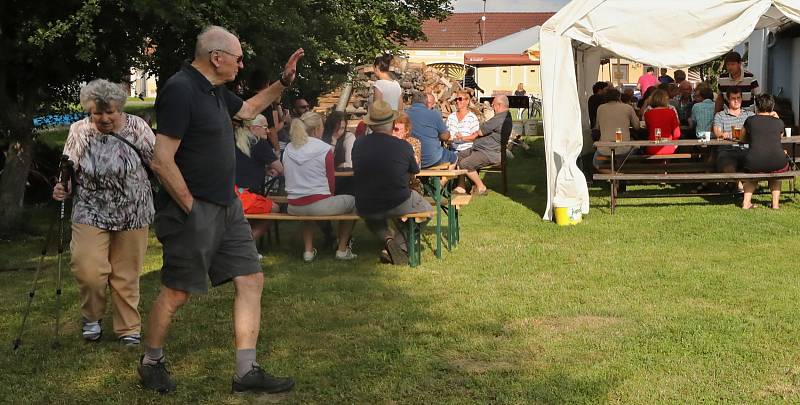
[562, 325]
[785, 386]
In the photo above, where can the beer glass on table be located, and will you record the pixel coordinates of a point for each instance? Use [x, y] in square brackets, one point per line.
[736, 132]
[658, 135]
[618, 135]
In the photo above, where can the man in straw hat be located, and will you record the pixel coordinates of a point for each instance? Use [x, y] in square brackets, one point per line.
[382, 165]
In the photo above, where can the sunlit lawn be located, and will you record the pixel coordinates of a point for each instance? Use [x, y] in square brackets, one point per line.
[668, 301]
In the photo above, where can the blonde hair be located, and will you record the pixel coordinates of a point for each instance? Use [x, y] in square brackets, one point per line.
[244, 138]
[303, 127]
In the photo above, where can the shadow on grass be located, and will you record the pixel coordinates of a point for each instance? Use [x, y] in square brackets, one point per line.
[527, 177]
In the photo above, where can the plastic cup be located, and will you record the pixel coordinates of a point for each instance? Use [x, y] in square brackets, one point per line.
[618, 135]
[787, 131]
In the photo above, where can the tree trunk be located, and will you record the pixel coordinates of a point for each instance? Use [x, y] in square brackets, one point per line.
[13, 181]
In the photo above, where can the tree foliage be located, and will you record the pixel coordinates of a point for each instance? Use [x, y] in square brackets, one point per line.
[49, 48]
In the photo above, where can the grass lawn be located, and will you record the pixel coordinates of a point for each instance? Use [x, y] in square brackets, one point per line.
[668, 301]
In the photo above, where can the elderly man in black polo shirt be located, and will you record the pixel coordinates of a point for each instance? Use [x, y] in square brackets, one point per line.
[202, 229]
[382, 166]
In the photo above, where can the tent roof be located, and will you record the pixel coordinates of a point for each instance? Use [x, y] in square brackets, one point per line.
[509, 50]
[515, 43]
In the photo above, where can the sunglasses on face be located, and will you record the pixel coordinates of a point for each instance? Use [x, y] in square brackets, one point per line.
[461, 99]
[239, 58]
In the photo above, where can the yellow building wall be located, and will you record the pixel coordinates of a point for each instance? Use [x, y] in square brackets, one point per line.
[490, 79]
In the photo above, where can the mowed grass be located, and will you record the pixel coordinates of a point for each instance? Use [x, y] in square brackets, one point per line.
[668, 301]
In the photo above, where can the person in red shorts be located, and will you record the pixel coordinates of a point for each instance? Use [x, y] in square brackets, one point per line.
[660, 116]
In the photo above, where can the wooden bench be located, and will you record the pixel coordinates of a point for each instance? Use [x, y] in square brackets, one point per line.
[613, 178]
[413, 221]
[457, 201]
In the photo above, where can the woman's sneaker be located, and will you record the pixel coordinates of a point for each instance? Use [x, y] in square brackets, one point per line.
[346, 255]
[92, 331]
[310, 256]
[130, 340]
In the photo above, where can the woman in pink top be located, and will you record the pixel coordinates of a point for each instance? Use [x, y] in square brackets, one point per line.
[661, 117]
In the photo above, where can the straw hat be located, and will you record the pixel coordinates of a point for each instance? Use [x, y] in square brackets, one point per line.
[380, 113]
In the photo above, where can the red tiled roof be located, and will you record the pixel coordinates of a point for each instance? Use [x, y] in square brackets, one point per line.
[463, 30]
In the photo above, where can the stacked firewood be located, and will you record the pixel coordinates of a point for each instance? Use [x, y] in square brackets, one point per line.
[411, 76]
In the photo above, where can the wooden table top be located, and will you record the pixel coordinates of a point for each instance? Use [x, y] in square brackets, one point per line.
[422, 173]
[682, 142]
[441, 173]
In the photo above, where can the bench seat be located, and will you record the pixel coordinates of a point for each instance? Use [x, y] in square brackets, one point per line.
[412, 220]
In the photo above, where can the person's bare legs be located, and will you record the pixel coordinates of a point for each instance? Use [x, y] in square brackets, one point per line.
[461, 186]
[247, 310]
[308, 236]
[259, 227]
[161, 314]
[775, 190]
[749, 188]
[475, 177]
[345, 230]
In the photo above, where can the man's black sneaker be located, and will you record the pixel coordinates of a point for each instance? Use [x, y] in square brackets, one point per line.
[396, 253]
[257, 380]
[156, 377]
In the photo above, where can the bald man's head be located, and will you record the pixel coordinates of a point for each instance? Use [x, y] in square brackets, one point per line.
[500, 103]
[214, 38]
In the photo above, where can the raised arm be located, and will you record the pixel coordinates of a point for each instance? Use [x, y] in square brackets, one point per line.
[254, 105]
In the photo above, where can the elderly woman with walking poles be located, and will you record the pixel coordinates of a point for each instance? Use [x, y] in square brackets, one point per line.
[112, 208]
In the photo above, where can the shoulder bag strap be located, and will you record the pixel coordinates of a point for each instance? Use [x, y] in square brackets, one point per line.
[135, 149]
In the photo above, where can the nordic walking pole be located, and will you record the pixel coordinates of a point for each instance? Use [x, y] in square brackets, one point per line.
[63, 177]
[18, 341]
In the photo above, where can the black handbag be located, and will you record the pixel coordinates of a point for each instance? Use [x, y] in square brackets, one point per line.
[155, 184]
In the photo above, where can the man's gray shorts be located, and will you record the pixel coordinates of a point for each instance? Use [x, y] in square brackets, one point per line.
[212, 240]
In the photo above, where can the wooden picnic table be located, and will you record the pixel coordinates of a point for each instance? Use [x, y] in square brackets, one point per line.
[682, 142]
[438, 194]
[617, 174]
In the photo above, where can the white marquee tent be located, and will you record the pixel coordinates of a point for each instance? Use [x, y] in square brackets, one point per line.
[669, 33]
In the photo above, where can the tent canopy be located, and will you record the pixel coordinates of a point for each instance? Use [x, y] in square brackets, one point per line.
[670, 33]
[506, 51]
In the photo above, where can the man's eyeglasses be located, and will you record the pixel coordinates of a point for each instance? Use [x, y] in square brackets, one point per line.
[239, 58]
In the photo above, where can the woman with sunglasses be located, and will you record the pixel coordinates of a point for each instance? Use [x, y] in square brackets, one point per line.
[463, 124]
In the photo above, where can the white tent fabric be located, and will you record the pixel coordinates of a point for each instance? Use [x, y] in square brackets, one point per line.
[669, 33]
[516, 43]
[509, 50]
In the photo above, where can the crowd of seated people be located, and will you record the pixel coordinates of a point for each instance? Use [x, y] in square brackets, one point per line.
[675, 110]
[384, 159]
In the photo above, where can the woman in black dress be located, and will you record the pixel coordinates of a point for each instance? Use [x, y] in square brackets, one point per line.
[763, 133]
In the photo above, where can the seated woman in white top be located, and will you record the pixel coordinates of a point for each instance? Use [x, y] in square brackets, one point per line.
[386, 88]
[310, 183]
[463, 124]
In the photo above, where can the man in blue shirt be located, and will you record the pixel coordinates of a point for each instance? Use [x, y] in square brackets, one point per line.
[428, 126]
